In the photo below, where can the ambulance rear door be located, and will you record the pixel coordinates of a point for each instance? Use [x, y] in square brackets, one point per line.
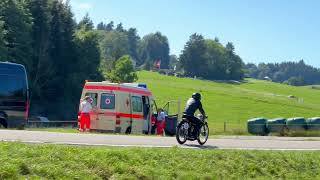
[123, 121]
[136, 113]
[107, 112]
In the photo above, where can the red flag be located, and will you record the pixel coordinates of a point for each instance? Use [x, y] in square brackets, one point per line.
[158, 64]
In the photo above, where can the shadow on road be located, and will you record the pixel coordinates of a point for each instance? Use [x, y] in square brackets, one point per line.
[200, 147]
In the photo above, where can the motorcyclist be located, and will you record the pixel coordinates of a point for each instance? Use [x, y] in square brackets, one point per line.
[193, 104]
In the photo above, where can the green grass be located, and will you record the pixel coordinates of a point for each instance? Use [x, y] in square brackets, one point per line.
[236, 103]
[22, 161]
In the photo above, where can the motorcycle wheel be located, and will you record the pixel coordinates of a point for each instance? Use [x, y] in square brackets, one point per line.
[182, 132]
[204, 134]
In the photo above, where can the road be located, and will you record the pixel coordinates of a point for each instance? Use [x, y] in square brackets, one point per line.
[227, 142]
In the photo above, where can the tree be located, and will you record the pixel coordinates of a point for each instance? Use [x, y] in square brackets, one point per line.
[17, 25]
[3, 49]
[101, 26]
[113, 46]
[154, 47]
[86, 23]
[193, 56]
[133, 40]
[295, 81]
[216, 60]
[109, 26]
[123, 71]
[42, 64]
[119, 28]
[88, 53]
[282, 72]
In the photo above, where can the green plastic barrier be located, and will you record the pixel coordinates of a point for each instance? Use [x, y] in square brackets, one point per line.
[297, 124]
[277, 125]
[257, 126]
[313, 124]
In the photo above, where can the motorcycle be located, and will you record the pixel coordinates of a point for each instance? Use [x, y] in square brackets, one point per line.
[186, 131]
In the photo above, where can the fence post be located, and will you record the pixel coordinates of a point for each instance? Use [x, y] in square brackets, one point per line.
[224, 126]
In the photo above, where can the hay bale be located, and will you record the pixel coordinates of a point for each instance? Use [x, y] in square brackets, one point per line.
[313, 124]
[257, 126]
[297, 124]
[277, 125]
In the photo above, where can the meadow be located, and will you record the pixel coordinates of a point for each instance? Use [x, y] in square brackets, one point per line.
[230, 104]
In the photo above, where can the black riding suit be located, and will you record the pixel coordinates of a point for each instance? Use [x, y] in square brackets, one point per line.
[191, 107]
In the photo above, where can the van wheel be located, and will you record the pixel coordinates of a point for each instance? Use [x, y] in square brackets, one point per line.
[3, 124]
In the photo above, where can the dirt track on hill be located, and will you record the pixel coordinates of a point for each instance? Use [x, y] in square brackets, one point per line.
[231, 142]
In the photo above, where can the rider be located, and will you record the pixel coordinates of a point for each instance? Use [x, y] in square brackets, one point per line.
[192, 105]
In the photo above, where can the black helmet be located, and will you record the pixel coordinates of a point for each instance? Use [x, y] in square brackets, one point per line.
[196, 96]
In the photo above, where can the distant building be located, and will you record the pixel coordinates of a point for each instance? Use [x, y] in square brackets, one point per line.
[267, 78]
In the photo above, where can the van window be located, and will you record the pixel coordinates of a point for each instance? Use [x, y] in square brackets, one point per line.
[94, 96]
[136, 104]
[107, 101]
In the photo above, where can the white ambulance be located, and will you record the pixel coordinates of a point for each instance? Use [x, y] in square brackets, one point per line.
[120, 108]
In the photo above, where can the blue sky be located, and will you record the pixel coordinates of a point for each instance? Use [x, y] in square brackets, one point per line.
[262, 31]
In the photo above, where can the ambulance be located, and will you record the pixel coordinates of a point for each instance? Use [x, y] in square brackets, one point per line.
[120, 107]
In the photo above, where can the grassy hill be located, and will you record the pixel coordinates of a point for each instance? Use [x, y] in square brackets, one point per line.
[236, 103]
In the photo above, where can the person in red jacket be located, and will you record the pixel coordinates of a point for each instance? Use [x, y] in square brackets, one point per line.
[85, 109]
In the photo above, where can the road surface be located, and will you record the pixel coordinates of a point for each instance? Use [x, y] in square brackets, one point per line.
[228, 142]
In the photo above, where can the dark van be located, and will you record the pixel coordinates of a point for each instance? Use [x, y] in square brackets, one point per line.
[13, 95]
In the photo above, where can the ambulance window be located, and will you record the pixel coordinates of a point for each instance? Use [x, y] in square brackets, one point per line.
[136, 104]
[107, 101]
[94, 97]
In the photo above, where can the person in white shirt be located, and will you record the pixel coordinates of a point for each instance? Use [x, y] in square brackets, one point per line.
[161, 121]
[85, 109]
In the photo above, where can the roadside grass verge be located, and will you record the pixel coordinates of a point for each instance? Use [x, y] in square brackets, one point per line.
[31, 161]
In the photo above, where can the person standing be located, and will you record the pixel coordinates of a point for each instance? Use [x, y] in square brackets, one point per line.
[161, 121]
[85, 109]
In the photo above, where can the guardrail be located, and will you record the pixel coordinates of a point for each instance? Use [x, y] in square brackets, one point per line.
[48, 124]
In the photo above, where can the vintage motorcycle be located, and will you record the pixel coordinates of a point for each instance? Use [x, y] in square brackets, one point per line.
[186, 131]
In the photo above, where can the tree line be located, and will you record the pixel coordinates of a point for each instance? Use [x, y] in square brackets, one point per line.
[60, 54]
[292, 73]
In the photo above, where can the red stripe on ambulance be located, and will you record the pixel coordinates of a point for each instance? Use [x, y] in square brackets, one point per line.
[112, 88]
[123, 115]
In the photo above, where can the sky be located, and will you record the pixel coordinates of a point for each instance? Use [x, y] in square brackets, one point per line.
[261, 30]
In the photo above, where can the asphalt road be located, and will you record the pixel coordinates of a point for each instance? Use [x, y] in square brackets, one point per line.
[227, 142]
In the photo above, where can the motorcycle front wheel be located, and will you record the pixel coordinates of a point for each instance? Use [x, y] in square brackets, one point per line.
[182, 132]
[204, 134]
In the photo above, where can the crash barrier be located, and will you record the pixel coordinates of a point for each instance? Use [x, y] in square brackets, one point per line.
[313, 124]
[52, 124]
[277, 125]
[296, 124]
[257, 126]
[261, 126]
